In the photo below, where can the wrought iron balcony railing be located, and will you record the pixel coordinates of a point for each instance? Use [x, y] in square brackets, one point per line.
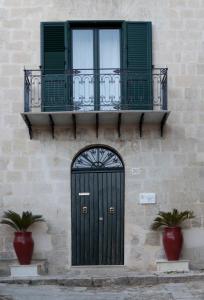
[95, 90]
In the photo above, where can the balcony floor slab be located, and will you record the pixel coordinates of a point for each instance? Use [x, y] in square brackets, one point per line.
[95, 118]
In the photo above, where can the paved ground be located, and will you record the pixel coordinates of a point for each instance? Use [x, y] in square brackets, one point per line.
[171, 291]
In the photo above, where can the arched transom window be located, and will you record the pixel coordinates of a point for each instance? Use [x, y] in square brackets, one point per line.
[97, 158]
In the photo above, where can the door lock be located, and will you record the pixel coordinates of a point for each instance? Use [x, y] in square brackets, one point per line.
[84, 210]
[111, 210]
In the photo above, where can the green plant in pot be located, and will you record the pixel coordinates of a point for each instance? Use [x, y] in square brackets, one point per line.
[172, 233]
[23, 242]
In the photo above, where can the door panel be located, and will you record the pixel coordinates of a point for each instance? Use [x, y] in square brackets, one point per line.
[109, 61]
[95, 59]
[84, 224]
[83, 80]
[98, 234]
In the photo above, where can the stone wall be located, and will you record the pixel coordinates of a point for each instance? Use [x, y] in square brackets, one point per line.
[35, 174]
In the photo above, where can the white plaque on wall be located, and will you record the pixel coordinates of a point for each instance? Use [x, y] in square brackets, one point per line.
[136, 171]
[147, 198]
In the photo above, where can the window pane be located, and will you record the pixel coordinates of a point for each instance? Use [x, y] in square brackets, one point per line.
[83, 83]
[109, 49]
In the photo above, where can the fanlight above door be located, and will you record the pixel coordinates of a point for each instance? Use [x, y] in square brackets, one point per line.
[97, 158]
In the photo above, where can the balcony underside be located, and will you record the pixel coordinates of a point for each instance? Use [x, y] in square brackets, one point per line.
[97, 119]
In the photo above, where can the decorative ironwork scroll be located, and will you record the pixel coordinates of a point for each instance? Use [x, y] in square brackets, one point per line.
[97, 158]
[93, 90]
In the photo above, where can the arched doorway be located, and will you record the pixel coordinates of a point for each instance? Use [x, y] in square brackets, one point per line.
[97, 207]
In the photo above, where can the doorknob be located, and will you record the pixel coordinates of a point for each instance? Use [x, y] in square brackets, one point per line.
[100, 219]
[111, 210]
[84, 210]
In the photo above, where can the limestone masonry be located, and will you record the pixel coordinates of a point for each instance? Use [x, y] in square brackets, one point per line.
[35, 174]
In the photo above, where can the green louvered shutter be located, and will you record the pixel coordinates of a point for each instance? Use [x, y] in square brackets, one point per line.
[138, 61]
[54, 79]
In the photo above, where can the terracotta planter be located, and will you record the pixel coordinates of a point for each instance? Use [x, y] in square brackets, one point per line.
[172, 241]
[23, 244]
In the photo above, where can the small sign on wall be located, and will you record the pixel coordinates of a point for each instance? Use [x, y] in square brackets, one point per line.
[147, 198]
[135, 171]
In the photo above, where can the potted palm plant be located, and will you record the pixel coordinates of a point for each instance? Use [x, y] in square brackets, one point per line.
[172, 233]
[23, 242]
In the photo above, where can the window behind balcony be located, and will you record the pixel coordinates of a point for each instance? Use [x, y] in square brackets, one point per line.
[95, 59]
[96, 66]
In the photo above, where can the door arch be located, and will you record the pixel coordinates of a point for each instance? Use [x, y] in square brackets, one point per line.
[97, 184]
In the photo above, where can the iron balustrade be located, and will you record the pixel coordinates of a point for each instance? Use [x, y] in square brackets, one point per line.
[94, 90]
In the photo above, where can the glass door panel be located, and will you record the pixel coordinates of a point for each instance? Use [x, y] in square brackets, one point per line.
[83, 65]
[109, 64]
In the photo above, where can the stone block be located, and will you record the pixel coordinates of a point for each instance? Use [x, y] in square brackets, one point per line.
[21, 58]
[201, 69]
[14, 176]
[152, 239]
[21, 35]
[20, 163]
[26, 270]
[166, 266]
[5, 264]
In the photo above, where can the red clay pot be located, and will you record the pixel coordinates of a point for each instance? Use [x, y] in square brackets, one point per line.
[23, 244]
[172, 241]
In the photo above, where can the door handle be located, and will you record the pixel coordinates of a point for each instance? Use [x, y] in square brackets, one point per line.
[111, 210]
[84, 210]
[100, 219]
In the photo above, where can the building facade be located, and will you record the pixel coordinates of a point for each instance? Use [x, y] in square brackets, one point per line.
[86, 128]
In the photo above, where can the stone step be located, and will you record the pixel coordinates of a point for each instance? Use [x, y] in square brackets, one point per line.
[133, 279]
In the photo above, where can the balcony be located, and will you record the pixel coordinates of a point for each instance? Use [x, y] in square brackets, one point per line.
[96, 97]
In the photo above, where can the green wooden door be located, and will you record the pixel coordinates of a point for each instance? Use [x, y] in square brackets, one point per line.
[98, 216]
